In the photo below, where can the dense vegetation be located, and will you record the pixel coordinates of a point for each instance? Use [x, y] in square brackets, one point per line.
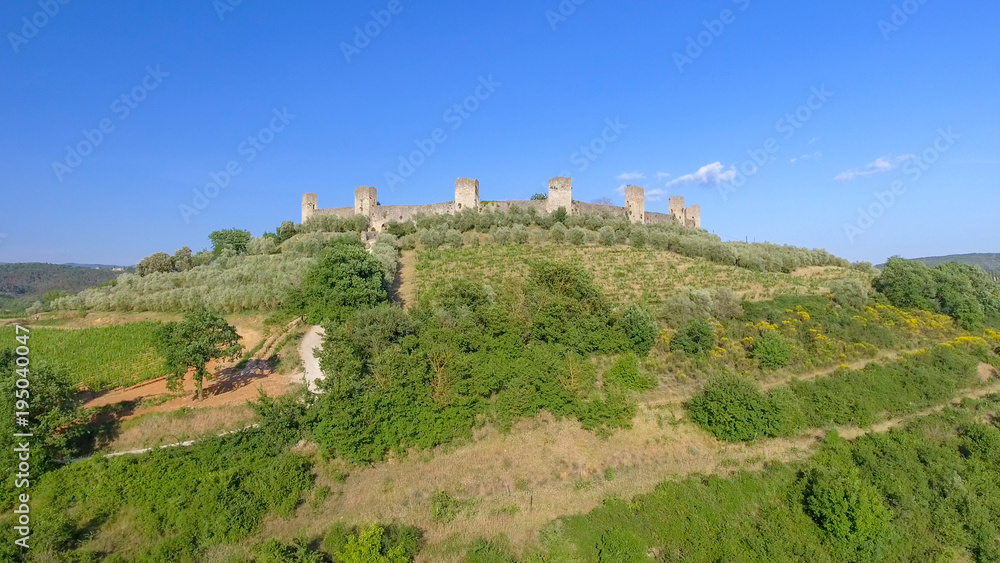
[926, 493]
[965, 293]
[474, 354]
[734, 409]
[22, 285]
[54, 418]
[988, 262]
[171, 504]
[519, 226]
[243, 273]
[97, 358]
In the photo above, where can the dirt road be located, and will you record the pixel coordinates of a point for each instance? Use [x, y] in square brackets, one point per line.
[310, 363]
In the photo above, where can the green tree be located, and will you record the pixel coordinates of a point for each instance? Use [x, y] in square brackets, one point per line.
[201, 337]
[159, 262]
[52, 412]
[344, 279]
[771, 351]
[908, 284]
[539, 197]
[183, 259]
[286, 231]
[235, 239]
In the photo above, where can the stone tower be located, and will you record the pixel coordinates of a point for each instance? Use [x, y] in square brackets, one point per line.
[365, 200]
[635, 204]
[677, 209]
[310, 203]
[692, 217]
[466, 194]
[560, 195]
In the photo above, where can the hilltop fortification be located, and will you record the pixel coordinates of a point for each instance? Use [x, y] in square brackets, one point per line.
[467, 197]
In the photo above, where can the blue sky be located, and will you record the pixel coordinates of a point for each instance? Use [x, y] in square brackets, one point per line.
[840, 104]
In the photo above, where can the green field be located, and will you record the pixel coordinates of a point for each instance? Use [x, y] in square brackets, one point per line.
[625, 273]
[96, 358]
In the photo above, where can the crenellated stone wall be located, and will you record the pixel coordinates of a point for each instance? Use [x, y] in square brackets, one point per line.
[467, 197]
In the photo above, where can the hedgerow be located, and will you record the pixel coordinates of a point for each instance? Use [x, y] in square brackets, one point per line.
[734, 409]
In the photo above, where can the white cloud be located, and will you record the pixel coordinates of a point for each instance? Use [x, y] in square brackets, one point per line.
[811, 156]
[813, 140]
[655, 194]
[708, 175]
[882, 164]
[630, 176]
[652, 194]
[662, 175]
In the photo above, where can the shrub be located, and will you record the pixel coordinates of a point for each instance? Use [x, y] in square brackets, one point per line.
[444, 508]
[621, 546]
[367, 547]
[851, 511]
[771, 351]
[483, 551]
[641, 328]
[624, 374]
[558, 233]
[577, 236]
[607, 235]
[849, 293]
[694, 339]
[735, 410]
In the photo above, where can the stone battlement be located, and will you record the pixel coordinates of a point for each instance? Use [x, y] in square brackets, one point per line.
[560, 196]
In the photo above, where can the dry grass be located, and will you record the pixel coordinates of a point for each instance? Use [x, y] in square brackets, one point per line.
[162, 428]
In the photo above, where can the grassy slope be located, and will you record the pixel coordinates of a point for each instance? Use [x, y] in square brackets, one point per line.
[625, 273]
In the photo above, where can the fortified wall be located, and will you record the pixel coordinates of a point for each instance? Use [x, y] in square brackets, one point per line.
[467, 197]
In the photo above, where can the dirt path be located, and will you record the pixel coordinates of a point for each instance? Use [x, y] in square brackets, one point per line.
[882, 356]
[677, 395]
[311, 370]
[405, 287]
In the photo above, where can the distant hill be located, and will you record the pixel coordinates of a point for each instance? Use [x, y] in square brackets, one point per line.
[989, 262]
[23, 284]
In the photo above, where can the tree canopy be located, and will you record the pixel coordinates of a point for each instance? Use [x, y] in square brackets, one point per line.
[202, 336]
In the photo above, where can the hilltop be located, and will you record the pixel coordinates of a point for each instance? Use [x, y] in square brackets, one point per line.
[493, 380]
